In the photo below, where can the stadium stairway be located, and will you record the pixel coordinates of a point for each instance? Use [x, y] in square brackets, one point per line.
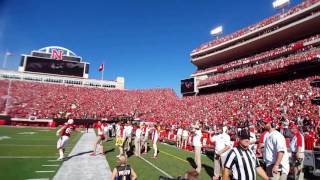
[80, 165]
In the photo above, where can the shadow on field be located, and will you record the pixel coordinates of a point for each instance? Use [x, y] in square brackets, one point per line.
[110, 150]
[143, 149]
[130, 153]
[208, 169]
[210, 155]
[79, 154]
[192, 163]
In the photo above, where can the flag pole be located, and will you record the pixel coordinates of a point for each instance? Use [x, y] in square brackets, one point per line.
[4, 60]
[102, 73]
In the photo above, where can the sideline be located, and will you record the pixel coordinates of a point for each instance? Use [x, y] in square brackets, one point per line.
[161, 151]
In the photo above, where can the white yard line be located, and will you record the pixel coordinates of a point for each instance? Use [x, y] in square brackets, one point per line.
[174, 147]
[44, 171]
[157, 168]
[51, 165]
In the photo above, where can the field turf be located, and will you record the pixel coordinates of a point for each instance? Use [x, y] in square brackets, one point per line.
[25, 150]
[171, 160]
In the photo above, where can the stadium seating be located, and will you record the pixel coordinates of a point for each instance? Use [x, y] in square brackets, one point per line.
[305, 4]
[58, 101]
[295, 58]
[4, 85]
[44, 100]
[261, 56]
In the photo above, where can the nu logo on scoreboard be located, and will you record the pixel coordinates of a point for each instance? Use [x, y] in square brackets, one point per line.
[57, 54]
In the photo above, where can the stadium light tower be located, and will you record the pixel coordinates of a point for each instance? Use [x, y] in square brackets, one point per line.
[280, 4]
[216, 31]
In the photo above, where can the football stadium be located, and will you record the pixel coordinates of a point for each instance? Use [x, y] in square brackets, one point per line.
[250, 110]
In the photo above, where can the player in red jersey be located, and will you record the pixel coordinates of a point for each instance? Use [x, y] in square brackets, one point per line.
[64, 132]
[100, 138]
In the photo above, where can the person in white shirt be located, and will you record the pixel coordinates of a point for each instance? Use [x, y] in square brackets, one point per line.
[145, 131]
[128, 135]
[117, 130]
[155, 138]
[179, 137]
[275, 153]
[297, 147]
[222, 147]
[253, 140]
[137, 141]
[197, 147]
[185, 135]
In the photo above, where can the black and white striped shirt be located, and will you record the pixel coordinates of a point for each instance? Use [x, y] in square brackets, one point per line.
[242, 164]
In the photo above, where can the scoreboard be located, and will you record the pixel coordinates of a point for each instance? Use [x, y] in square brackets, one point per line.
[51, 66]
[187, 86]
[54, 61]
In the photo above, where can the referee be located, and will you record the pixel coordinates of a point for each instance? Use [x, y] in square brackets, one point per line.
[241, 162]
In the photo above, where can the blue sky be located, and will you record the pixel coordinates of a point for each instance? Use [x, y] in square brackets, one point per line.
[146, 41]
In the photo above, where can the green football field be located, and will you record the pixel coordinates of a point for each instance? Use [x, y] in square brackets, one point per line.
[29, 153]
[170, 160]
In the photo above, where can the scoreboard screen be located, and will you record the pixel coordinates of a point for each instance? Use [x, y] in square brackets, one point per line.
[187, 85]
[51, 66]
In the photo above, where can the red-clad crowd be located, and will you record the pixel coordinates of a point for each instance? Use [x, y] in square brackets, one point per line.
[286, 102]
[4, 84]
[261, 56]
[303, 55]
[305, 4]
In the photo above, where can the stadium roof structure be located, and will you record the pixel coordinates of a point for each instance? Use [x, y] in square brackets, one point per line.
[66, 51]
[305, 21]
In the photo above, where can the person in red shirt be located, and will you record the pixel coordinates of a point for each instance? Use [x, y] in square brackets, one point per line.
[100, 138]
[310, 140]
[64, 134]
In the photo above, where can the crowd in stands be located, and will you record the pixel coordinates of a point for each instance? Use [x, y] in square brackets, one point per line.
[305, 4]
[300, 56]
[44, 100]
[4, 84]
[286, 102]
[261, 56]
